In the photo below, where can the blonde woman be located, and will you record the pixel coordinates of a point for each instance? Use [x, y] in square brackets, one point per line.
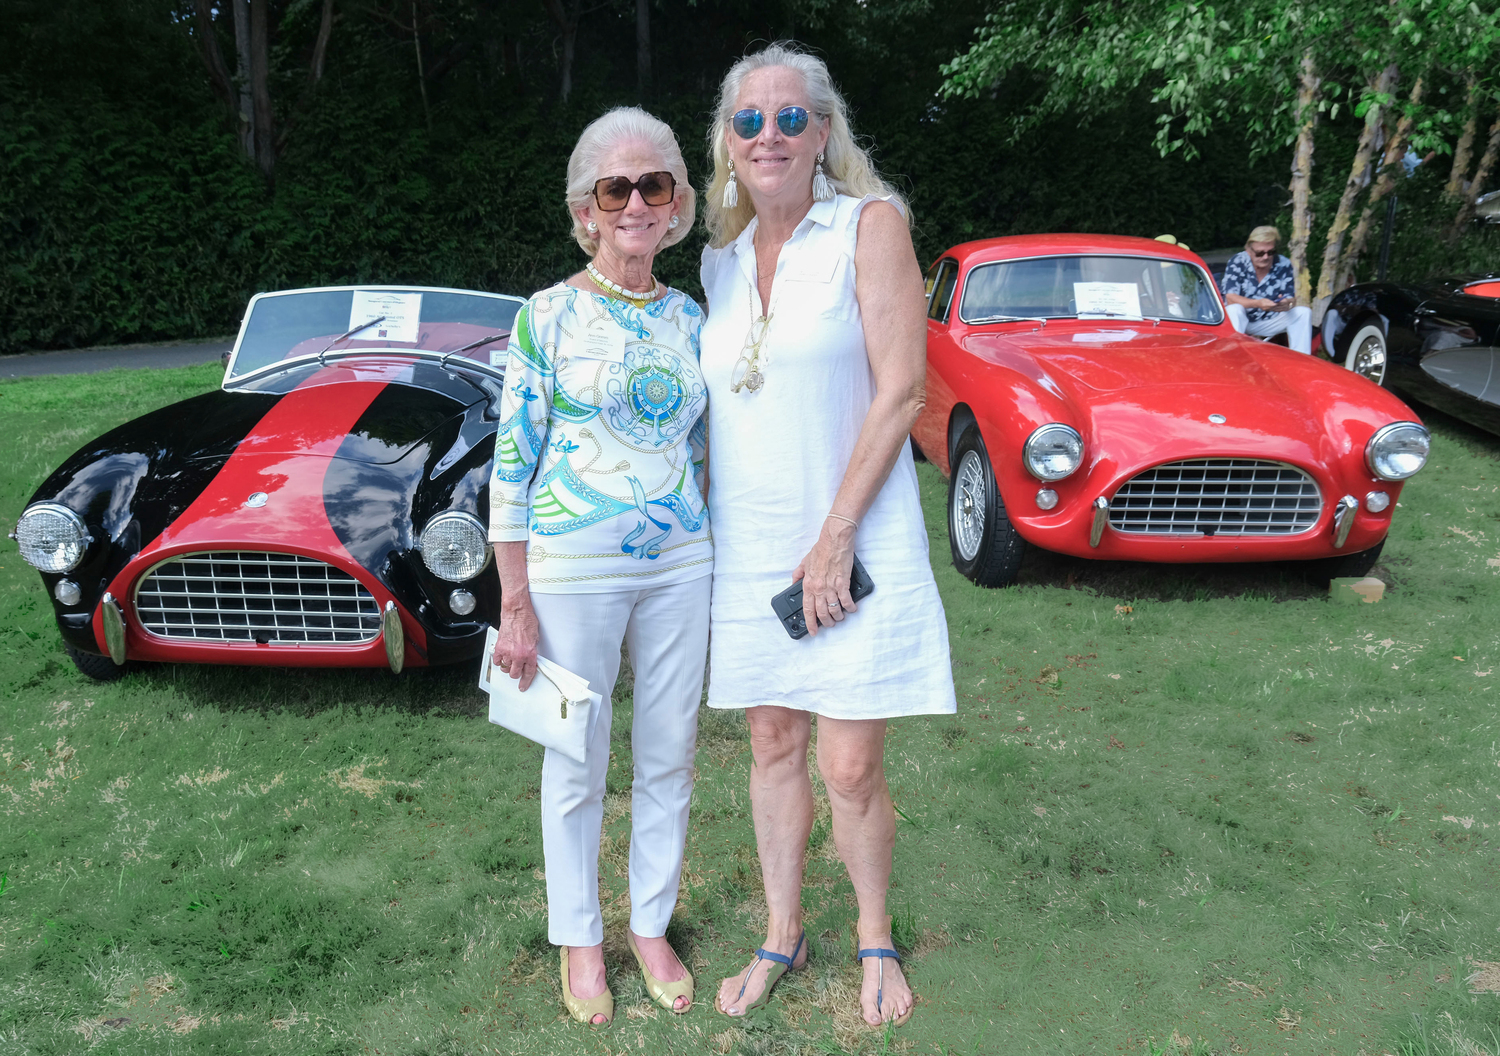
[814, 352]
[601, 535]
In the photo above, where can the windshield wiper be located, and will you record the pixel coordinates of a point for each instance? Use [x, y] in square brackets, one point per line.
[473, 345]
[481, 341]
[351, 333]
[1007, 319]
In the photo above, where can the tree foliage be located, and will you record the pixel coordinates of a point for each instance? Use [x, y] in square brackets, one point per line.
[1272, 70]
[431, 147]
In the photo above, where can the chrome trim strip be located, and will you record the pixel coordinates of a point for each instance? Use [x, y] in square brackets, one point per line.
[250, 306]
[1212, 285]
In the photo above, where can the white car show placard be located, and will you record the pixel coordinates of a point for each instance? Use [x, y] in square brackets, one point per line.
[402, 314]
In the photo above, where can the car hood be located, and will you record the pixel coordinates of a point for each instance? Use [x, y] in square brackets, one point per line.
[1139, 393]
[413, 401]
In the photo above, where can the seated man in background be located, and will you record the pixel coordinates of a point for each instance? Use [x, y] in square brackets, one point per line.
[1258, 289]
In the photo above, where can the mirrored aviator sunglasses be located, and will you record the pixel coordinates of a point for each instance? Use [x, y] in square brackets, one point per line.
[747, 123]
[613, 192]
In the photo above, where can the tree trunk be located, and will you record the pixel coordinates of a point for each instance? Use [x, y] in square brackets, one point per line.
[1390, 165]
[1359, 177]
[208, 48]
[320, 49]
[1302, 162]
[567, 25]
[1481, 174]
[260, 88]
[1463, 151]
[242, 76]
[421, 74]
[642, 47]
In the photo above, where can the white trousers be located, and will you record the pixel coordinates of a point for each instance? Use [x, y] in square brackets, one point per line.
[1297, 322]
[667, 631]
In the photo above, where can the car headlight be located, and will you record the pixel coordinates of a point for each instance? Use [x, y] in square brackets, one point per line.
[455, 546]
[52, 537]
[1053, 451]
[1398, 450]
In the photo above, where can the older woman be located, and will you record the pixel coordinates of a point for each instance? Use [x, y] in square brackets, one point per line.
[814, 351]
[601, 534]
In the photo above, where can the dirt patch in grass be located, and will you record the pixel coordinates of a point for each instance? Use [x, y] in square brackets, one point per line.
[1485, 979]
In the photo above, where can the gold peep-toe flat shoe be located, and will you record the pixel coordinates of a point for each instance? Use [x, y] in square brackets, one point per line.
[664, 994]
[585, 1011]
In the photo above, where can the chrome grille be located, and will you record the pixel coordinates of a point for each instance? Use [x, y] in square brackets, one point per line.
[1217, 496]
[243, 596]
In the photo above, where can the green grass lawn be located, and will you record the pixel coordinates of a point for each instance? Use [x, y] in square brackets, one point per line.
[1180, 810]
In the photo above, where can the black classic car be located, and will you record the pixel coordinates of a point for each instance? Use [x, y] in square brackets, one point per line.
[1438, 342]
[325, 507]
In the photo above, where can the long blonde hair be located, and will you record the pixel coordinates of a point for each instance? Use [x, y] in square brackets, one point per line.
[604, 135]
[845, 163]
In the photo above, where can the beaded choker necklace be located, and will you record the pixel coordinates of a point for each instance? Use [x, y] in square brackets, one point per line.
[635, 297]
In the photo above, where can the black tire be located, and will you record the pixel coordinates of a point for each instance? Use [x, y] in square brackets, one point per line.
[99, 668]
[986, 546]
[1345, 565]
[1367, 355]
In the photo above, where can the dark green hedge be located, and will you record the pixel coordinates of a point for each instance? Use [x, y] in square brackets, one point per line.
[127, 213]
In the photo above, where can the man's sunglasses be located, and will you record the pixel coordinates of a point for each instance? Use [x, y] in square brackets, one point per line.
[613, 192]
[747, 123]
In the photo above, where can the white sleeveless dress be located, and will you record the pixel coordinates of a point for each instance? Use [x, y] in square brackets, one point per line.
[776, 460]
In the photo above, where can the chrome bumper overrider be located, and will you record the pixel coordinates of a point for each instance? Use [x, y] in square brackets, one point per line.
[395, 637]
[1101, 519]
[1343, 520]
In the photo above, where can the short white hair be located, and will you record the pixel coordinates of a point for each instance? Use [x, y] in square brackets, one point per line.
[1264, 233]
[846, 164]
[604, 136]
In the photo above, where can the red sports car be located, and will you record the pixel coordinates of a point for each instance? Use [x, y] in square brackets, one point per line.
[1087, 395]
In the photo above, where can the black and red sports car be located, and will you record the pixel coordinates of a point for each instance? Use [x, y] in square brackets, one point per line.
[1436, 341]
[325, 507]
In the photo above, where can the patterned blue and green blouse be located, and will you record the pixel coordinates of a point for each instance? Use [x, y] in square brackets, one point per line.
[599, 454]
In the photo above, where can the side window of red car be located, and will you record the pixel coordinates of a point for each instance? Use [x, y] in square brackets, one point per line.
[940, 283]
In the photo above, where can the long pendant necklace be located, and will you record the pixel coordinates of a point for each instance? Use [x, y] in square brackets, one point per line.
[747, 373]
[636, 297]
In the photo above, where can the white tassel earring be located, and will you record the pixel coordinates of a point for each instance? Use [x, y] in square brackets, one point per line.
[731, 189]
[822, 188]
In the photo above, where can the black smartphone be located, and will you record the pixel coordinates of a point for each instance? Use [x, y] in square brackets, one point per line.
[788, 604]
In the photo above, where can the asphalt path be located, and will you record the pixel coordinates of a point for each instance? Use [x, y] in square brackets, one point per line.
[94, 360]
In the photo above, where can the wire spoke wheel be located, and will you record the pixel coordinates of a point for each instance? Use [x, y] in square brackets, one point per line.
[968, 505]
[1367, 356]
[986, 546]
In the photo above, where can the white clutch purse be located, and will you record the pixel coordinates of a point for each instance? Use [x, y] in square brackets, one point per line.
[555, 711]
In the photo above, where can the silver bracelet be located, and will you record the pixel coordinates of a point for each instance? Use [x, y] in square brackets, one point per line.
[841, 517]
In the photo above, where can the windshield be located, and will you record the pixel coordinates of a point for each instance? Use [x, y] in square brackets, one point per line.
[1089, 287]
[282, 326]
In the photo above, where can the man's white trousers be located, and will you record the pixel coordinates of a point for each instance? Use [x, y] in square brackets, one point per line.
[1297, 322]
[666, 629]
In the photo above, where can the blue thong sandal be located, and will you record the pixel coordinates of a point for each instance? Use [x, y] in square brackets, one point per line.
[882, 953]
[780, 966]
